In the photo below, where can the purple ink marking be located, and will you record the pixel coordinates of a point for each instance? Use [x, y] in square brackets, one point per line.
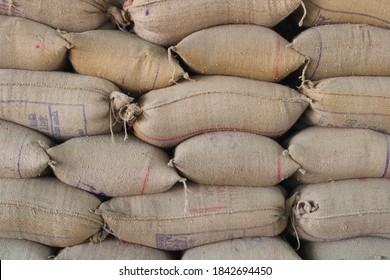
[147, 13]
[320, 56]
[387, 157]
[37, 46]
[20, 156]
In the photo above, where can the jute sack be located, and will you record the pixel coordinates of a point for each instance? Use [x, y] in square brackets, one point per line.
[341, 209]
[257, 248]
[120, 168]
[183, 218]
[26, 44]
[71, 15]
[48, 211]
[360, 248]
[247, 51]
[125, 59]
[327, 154]
[22, 151]
[321, 12]
[350, 102]
[214, 103]
[59, 105]
[344, 50]
[112, 249]
[19, 249]
[234, 159]
[167, 22]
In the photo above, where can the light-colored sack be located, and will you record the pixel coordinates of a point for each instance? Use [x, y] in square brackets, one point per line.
[167, 22]
[341, 209]
[29, 45]
[230, 158]
[349, 102]
[130, 62]
[321, 12]
[360, 248]
[19, 249]
[120, 168]
[344, 50]
[184, 218]
[49, 212]
[214, 103]
[22, 151]
[328, 154]
[60, 105]
[112, 249]
[247, 51]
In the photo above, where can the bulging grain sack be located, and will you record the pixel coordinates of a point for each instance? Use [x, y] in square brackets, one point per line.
[344, 50]
[113, 168]
[256, 248]
[60, 105]
[130, 62]
[166, 22]
[349, 102]
[341, 209]
[360, 248]
[247, 51]
[328, 154]
[19, 249]
[112, 249]
[47, 211]
[233, 158]
[184, 218]
[22, 151]
[321, 12]
[26, 44]
[214, 103]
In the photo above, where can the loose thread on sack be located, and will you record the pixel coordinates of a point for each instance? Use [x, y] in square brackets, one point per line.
[295, 230]
[171, 163]
[52, 164]
[170, 61]
[186, 191]
[43, 145]
[304, 14]
[303, 76]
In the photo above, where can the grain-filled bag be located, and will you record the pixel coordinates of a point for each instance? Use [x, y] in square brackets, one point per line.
[256, 248]
[166, 22]
[22, 151]
[234, 159]
[59, 105]
[112, 249]
[328, 154]
[213, 103]
[247, 51]
[130, 62]
[360, 248]
[321, 12]
[70, 15]
[341, 209]
[26, 44]
[112, 168]
[353, 102]
[47, 211]
[184, 218]
[344, 50]
[19, 249]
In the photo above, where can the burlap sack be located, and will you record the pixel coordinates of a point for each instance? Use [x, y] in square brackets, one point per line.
[344, 50]
[215, 103]
[349, 102]
[341, 209]
[112, 249]
[257, 248]
[328, 154]
[167, 22]
[26, 44]
[48, 211]
[125, 59]
[183, 218]
[119, 168]
[19, 249]
[59, 105]
[321, 12]
[234, 159]
[22, 152]
[247, 51]
[360, 248]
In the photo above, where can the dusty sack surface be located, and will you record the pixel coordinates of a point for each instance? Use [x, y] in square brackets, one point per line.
[19, 249]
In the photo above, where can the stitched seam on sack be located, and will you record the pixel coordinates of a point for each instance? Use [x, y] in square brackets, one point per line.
[319, 92]
[42, 235]
[364, 212]
[156, 3]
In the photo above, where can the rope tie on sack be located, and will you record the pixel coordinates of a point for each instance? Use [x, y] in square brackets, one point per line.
[120, 18]
[291, 208]
[304, 13]
[186, 191]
